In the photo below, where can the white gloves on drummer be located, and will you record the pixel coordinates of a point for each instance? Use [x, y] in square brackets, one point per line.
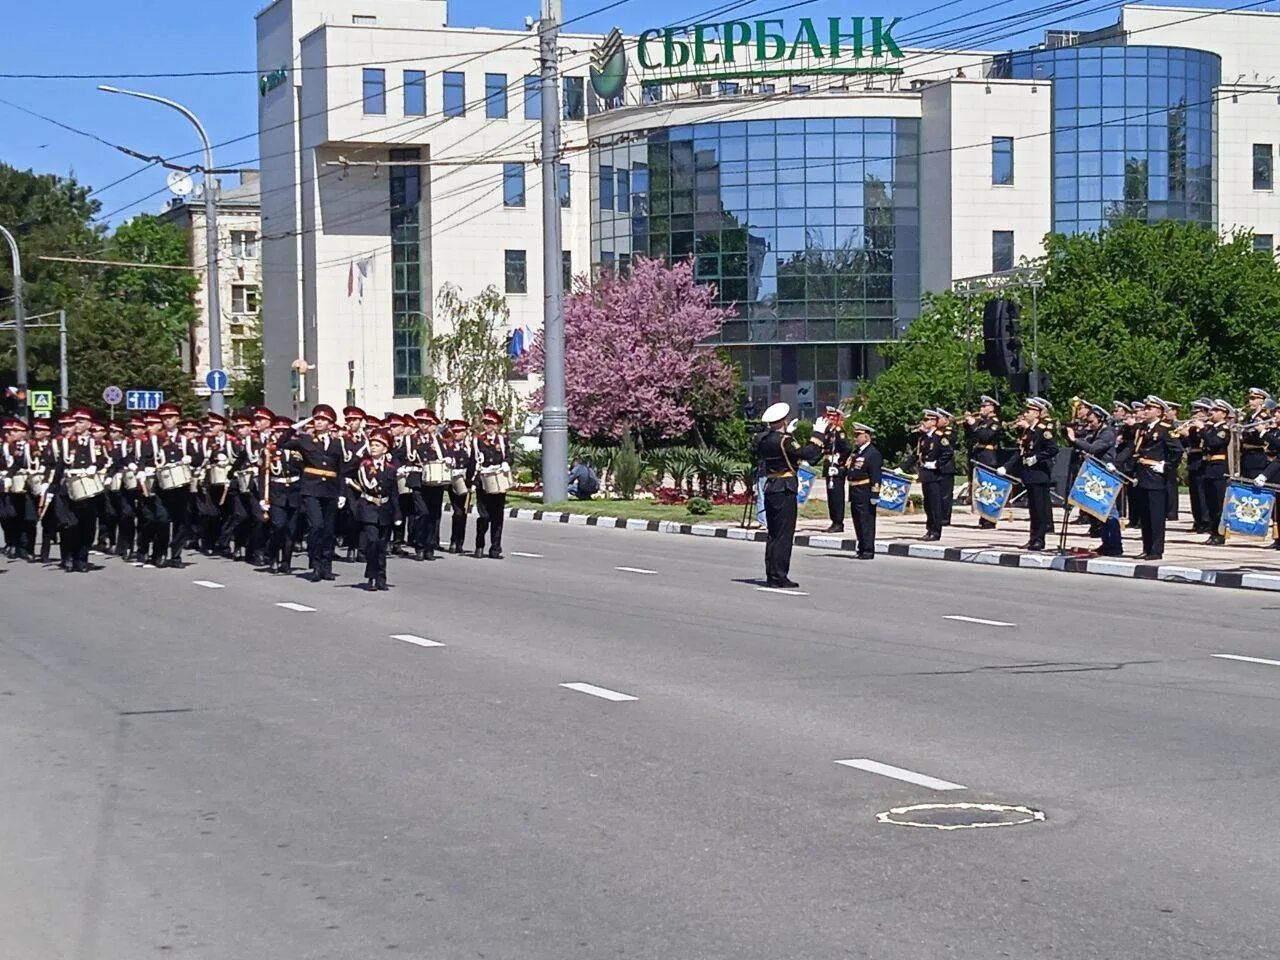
[931, 464]
[1111, 467]
[1158, 467]
[1260, 479]
[1002, 471]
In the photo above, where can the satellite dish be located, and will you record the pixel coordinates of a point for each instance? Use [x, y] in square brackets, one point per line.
[180, 182]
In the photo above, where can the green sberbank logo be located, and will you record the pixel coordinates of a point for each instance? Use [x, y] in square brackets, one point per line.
[761, 48]
[609, 66]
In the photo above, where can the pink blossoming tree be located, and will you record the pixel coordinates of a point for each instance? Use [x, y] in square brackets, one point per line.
[636, 358]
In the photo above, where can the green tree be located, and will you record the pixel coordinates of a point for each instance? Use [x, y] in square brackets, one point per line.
[250, 390]
[470, 364]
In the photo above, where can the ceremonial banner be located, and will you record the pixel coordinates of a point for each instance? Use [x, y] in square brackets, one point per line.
[893, 493]
[804, 481]
[991, 492]
[1247, 512]
[1095, 490]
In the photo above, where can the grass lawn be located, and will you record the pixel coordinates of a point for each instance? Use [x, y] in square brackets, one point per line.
[649, 510]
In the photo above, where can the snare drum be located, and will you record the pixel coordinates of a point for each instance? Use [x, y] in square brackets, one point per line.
[218, 474]
[114, 482]
[495, 480]
[18, 483]
[402, 484]
[174, 476]
[244, 480]
[435, 473]
[83, 487]
[459, 481]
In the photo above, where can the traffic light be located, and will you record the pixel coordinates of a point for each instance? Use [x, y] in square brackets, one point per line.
[1001, 338]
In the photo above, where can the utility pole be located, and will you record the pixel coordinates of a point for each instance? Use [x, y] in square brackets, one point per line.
[555, 413]
[64, 388]
[217, 401]
[19, 323]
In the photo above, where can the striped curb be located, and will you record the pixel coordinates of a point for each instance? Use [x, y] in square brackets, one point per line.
[1098, 566]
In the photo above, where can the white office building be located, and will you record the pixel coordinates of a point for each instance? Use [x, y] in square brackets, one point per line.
[822, 174]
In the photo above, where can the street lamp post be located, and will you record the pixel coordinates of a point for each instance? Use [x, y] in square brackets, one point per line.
[19, 322]
[217, 402]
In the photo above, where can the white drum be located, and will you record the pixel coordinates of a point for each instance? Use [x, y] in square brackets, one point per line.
[18, 483]
[435, 473]
[129, 480]
[495, 479]
[218, 474]
[174, 476]
[244, 480]
[114, 482]
[459, 481]
[83, 487]
[402, 484]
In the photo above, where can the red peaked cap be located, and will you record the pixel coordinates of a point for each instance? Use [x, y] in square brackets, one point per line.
[281, 423]
[426, 413]
[169, 410]
[321, 410]
[380, 436]
[458, 424]
[354, 413]
[216, 418]
[264, 413]
[491, 416]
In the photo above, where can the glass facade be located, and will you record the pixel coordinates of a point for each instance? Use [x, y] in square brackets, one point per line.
[407, 319]
[1132, 131]
[810, 228]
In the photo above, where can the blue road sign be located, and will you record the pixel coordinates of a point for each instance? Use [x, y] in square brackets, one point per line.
[143, 399]
[216, 380]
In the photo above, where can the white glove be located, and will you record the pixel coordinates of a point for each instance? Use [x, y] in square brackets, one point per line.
[299, 424]
[342, 502]
[187, 460]
[1002, 471]
[398, 522]
[931, 465]
[1260, 479]
[1158, 467]
[1029, 461]
[820, 426]
[791, 427]
[833, 470]
[220, 459]
[263, 505]
[132, 466]
[1111, 467]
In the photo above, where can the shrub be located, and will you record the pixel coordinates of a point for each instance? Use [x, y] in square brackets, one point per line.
[699, 506]
[627, 467]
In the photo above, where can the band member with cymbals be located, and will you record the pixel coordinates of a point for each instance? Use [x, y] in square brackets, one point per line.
[489, 453]
[777, 454]
[321, 487]
[377, 508]
[457, 452]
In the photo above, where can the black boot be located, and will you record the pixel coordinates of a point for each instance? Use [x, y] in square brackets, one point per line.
[478, 553]
[327, 573]
[372, 585]
[430, 554]
[381, 583]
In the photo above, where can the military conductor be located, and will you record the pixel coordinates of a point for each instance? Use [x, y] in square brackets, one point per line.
[778, 453]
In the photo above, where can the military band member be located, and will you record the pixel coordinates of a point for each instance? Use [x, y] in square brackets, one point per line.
[407, 451]
[777, 454]
[932, 456]
[836, 449]
[78, 455]
[1097, 438]
[1192, 432]
[489, 453]
[1152, 461]
[1174, 452]
[377, 508]
[948, 468]
[282, 503]
[1215, 441]
[42, 429]
[1033, 463]
[982, 432]
[1129, 463]
[217, 504]
[128, 456]
[356, 425]
[19, 461]
[321, 487]
[1253, 424]
[863, 469]
[457, 452]
[427, 536]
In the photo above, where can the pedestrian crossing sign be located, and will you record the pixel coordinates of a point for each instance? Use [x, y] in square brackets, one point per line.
[42, 401]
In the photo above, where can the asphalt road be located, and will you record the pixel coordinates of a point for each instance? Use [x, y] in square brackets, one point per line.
[195, 770]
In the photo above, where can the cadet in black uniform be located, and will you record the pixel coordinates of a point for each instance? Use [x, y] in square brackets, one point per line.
[377, 507]
[283, 501]
[1252, 428]
[430, 450]
[933, 454]
[947, 468]
[1037, 449]
[457, 452]
[489, 450]
[1097, 438]
[1215, 439]
[836, 449]
[1193, 445]
[863, 469]
[1151, 455]
[320, 487]
[982, 432]
[777, 453]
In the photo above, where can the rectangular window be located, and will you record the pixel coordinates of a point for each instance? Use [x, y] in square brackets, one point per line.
[606, 187]
[1002, 161]
[650, 92]
[415, 93]
[410, 326]
[532, 98]
[566, 185]
[363, 20]
[1262, 166]
[495, 96]
[566, 265]
[375, 90]
[1264, 241]
[728, 88]
[244, 299]
[513, 184]
[800, 88]
[624, 190]
[575, 98]
[516, 269]
[239, 353]
[455, 94]
[1001, 250]
[244, 244]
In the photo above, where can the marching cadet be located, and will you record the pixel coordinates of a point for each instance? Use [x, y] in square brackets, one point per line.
[377, 508]
[1033, 460]
[79, 458]
[218, 452]
[427, 537]
[777, 454]
[836, 448]
[248, 535]
[457, 453]
[1215, 441]
[407, 451]
[864, 467]
[982, 433]
[129, 455]
[108, 436]
[355, 427]
[42, 428]
[932, 454]
[282, 502]
[489, 456]
[19, 461]
[1152, 462]
[190, 451]
[1253, 424]
[155, 532]
[321, 489]
[947, 468]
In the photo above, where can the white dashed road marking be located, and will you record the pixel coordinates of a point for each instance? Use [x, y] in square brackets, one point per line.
[531, 556]
[985, 623]
[1233, 656]
[600, 692]
[785, 591]
[420, 641]
[636, 570]
[297, 607]
[898, 773]
[211, 584]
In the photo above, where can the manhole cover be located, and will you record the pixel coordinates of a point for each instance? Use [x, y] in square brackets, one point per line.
[960, 816]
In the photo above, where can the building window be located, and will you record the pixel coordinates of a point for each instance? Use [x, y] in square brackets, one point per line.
[244, 244]
[244, 299]
[606, 187]
[375, 90]
[566, 185]
[799, 88]
[532, 98]
[495, 96]
[1264, 241]
[766, 88]
[408, 322]
[1002, 161]
[650, 92]
[363, 20]
[624, 190]
[566, 267]
[516, 271]
[728, 88]
[1262, 166]
[455, 94]
[415, 93]
[1001, 250]
[575, 98]
[513, 184]
[239, 349]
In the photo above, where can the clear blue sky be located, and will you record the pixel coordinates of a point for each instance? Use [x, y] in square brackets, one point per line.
[131, 36]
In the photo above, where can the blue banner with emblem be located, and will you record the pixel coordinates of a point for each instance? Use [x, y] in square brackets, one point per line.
[1248, 512]
[804, 483]
[1096, 489]
[991, 492]
[894, 489]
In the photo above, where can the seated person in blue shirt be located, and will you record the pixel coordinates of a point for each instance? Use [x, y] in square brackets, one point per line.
[583, 482]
